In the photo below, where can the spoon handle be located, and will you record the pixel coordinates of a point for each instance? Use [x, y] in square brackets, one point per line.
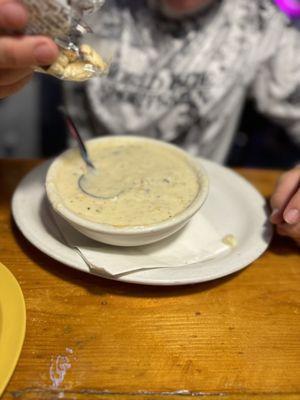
[75, 134]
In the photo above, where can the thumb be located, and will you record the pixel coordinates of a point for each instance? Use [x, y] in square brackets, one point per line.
[286, 188]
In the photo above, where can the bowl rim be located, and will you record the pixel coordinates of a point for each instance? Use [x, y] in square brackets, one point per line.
[185, 215]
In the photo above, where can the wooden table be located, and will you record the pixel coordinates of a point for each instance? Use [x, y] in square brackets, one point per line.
[235, 338]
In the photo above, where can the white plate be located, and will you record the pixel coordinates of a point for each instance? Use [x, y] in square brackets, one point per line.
[233, 206]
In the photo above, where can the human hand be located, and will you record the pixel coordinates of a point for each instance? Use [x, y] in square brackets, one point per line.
[19, 54]
[285, 203]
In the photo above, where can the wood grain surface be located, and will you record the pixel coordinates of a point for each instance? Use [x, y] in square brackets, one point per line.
[237, 337]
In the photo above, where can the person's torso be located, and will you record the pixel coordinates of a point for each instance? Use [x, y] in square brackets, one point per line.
[183, 82]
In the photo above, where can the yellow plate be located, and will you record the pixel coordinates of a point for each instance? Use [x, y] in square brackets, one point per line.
[12, 325]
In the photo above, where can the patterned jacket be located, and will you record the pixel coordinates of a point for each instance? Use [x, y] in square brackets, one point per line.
[186, 81]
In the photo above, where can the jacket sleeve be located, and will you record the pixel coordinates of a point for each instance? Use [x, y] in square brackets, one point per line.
[276, 87]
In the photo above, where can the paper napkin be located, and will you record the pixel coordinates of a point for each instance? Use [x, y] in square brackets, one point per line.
[198, 242]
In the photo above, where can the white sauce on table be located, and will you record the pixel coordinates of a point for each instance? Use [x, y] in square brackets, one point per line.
[156, 183]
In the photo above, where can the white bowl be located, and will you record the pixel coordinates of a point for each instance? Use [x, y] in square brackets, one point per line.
[129, 236]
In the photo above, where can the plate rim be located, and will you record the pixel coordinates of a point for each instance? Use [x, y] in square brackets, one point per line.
[80, 265]
[11, 338]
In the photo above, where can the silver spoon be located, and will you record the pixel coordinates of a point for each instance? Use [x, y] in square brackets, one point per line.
[89, 183]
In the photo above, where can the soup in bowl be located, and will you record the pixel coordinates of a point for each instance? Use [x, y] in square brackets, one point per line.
[142, 191]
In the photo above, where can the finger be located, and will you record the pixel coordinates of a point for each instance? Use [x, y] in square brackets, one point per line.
[286, 187]
[26, 51]
[11, 76]
[11, 89]
[13, 15]
[291, 213]
[292, 231]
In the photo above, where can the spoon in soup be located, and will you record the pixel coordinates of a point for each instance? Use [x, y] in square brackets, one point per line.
[94, 182]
